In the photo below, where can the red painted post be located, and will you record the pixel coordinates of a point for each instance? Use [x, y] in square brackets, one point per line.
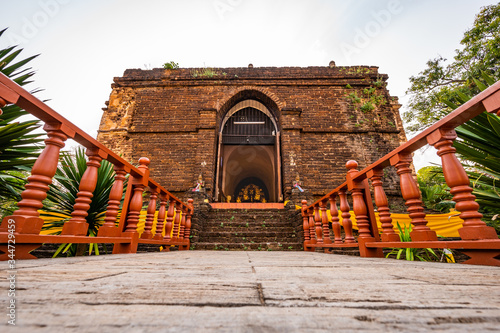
[27, 216]
[187, 227]
[324, 222]
[115, 195]
[150, 215]
[312, 229]
[318, 227]
[358, 204]
[170, 218]
[177, 221]
[346, 217]
[161, 217]
[189, 215]
[134, 209]
[305, 226]
[388, 234]
[492, 103]
[135, 205]
[360, 209]
[411, 194]
[334, 212]
[78, 225]
[182, 226]
[458, 181]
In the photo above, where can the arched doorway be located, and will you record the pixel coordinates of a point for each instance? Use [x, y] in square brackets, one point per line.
[249, 162]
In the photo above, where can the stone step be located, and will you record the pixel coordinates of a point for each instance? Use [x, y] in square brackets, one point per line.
[250, 239]
[270, 246]
[278, 229]
[262, 233]
[248, 229]
[243, 220]
[222, 212]
[245, 224]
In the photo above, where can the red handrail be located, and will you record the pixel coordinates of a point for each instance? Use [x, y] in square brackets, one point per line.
[476, 235]
[25, 224]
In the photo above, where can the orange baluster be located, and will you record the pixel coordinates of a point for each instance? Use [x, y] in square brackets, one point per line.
[318, 227]
[170, 219]
[458, 181]
[189, 214]
[411, 194]
[182, 226]
[492, 103]
[135, 205]
[324, 222]
[115, 195]
[161, 217]
[78, 225]
[312, 231]
[360, 208]
[334, 212]
[150, 215]
[305, 225]
[177, 221]
[27, 216]
[134, 209]
[358, 205]
[388, 234]
[346, 217]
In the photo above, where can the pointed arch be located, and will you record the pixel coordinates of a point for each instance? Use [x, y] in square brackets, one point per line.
[255, 157]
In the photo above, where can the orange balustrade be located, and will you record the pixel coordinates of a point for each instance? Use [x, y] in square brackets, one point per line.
[478, 241]
[20, 233]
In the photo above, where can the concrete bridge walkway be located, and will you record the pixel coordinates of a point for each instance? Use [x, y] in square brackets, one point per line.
[219, 291]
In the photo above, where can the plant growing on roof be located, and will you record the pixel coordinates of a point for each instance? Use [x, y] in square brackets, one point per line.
[18, 143]
[171, 65]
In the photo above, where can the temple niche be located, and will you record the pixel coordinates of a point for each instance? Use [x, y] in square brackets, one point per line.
[246, 133]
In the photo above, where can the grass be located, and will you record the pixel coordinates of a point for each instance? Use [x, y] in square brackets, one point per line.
[411, 254]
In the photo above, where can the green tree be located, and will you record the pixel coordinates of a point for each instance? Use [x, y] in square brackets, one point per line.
[450, 81]
[435, 192]
[18, 141]
[478, 146]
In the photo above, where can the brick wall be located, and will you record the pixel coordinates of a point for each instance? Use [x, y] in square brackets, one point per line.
[173, 117]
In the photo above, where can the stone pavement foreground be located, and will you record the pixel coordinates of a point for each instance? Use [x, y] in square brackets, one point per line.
[215, 291]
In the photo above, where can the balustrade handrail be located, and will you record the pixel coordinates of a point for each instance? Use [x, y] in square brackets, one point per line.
[13, 93]
[487, 100]
[26, 222]
[475, 234]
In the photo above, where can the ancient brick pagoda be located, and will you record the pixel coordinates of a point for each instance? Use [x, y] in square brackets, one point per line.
[251, 132]
[241, 141]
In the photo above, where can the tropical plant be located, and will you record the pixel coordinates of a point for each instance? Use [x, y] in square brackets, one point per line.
[412, 254]
[443, 80]
[478, 146]
[62, 195]
[435, 192]
[18, 142]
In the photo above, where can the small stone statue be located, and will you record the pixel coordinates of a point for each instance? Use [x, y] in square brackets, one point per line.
[199, 184]
[298, 184]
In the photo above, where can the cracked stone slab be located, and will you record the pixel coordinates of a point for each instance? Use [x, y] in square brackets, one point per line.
[215, 291]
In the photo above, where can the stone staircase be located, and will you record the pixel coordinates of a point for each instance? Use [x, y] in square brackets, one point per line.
[249, 229]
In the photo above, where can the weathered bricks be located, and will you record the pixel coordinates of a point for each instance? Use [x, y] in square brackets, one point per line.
[174, 117]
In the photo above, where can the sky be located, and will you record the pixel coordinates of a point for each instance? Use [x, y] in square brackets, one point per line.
[84, 44]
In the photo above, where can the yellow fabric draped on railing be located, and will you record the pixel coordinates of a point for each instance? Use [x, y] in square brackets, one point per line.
[445, 225]
[140, 225]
